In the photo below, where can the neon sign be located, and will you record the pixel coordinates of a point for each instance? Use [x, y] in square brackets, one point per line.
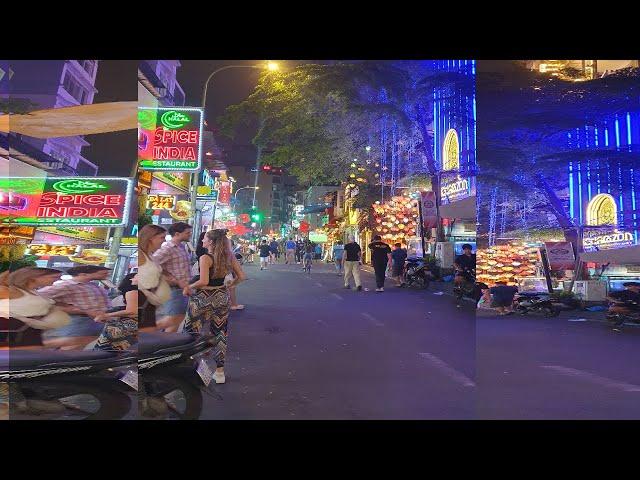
[602, 212]
[450, 151]
[19, 197]
[173, 119]
[161, 202]
[79, 186]
[454, 189]
[82, 201]
[170, 139]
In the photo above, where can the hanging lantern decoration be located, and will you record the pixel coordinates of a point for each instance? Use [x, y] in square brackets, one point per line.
[395, 218]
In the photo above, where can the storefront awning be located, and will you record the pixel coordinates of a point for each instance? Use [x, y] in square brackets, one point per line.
[617, 256]
[464, 209]
[71, 121]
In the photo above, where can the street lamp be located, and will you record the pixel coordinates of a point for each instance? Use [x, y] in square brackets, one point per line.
[235, 195]
[270, 66]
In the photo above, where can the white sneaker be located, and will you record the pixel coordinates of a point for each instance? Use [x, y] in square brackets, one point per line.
[237, 307]
[219, 377]
[379, 289]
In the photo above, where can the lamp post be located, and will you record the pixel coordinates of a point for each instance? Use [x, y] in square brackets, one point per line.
[271, 66]
[235, 195]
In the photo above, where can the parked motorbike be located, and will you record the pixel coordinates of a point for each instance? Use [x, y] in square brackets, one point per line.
[416, 273]
[618, 319]
[525, 303]
[93, 397]
[468, 288]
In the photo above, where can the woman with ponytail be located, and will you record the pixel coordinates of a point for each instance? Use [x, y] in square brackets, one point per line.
[209, 297]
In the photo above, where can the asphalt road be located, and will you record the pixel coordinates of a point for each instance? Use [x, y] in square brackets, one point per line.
[539, 368]
[306, 348]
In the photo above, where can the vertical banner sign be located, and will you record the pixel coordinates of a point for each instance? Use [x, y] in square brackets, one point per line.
[224, 194]
[86, 201]
[560, 255]
[170, 138]
[429, 211]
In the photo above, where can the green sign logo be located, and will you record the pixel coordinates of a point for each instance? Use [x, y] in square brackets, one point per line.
[173, 119]
[79, 186]
[147, 119]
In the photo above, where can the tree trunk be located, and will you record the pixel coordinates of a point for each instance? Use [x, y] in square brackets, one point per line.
[565, 222]
[433, 171]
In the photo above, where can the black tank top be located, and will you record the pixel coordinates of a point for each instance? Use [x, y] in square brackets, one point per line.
[214, 282]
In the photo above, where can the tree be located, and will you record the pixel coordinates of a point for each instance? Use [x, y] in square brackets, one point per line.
[316, 118]
[522, 134]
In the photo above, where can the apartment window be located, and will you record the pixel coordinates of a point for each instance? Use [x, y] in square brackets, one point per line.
[74, 88]
[88, 66]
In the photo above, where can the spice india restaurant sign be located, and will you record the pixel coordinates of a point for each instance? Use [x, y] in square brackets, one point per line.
[84, 201]
[170, 139]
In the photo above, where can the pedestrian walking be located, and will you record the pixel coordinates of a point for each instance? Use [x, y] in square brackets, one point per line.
[252, 252]
[265, 253]
[308, 257]
[299, 251]
[338, 253]
[209, 297]
[291, 251]
[273, 251]
[398, 256]
[352, 262]
[175, 261]
[83, 298]
[380, 258]
[318, 252]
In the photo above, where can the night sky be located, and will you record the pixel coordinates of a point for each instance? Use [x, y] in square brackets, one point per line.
[114, 153]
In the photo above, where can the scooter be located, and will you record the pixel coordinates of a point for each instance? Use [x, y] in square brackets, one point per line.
[618, 319]
[469, 288]
[525, 303]
[416, 274]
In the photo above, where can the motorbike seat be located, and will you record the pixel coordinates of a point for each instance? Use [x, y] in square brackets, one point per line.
[159, 342]
[17, 359]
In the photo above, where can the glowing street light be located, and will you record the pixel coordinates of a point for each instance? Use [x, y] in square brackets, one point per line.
[272, 66]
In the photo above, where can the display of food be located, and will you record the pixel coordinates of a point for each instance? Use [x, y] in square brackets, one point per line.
[182, 211]
[506, 263]
[91, 256]
[396, 220]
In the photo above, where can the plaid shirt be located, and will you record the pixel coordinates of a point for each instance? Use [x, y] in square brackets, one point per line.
[85, 296]
[174, 260]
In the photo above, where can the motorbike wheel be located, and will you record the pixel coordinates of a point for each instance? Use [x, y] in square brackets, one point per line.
[550, 312]
[158, 384]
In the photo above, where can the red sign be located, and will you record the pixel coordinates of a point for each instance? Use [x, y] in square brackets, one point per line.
[244, 218]
[224, 193]
[429, 211]
[304, 227]
[86, 201]
[169, 138]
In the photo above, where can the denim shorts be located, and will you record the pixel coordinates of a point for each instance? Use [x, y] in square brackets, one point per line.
[80, 326]
[176, 305]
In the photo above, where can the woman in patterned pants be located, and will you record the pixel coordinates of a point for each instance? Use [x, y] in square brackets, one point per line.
[210, 302]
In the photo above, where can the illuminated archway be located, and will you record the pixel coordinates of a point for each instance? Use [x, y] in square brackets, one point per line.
[451, 151]
[602, 210]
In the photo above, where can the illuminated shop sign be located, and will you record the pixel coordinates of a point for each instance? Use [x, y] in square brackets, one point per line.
[170, 138]
[594, 240]
[453, 189]
[602, 216]
[161, 202]
[87, 201]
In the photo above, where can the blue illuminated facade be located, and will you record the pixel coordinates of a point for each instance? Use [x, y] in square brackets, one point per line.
[619, 133]
[457, 112]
